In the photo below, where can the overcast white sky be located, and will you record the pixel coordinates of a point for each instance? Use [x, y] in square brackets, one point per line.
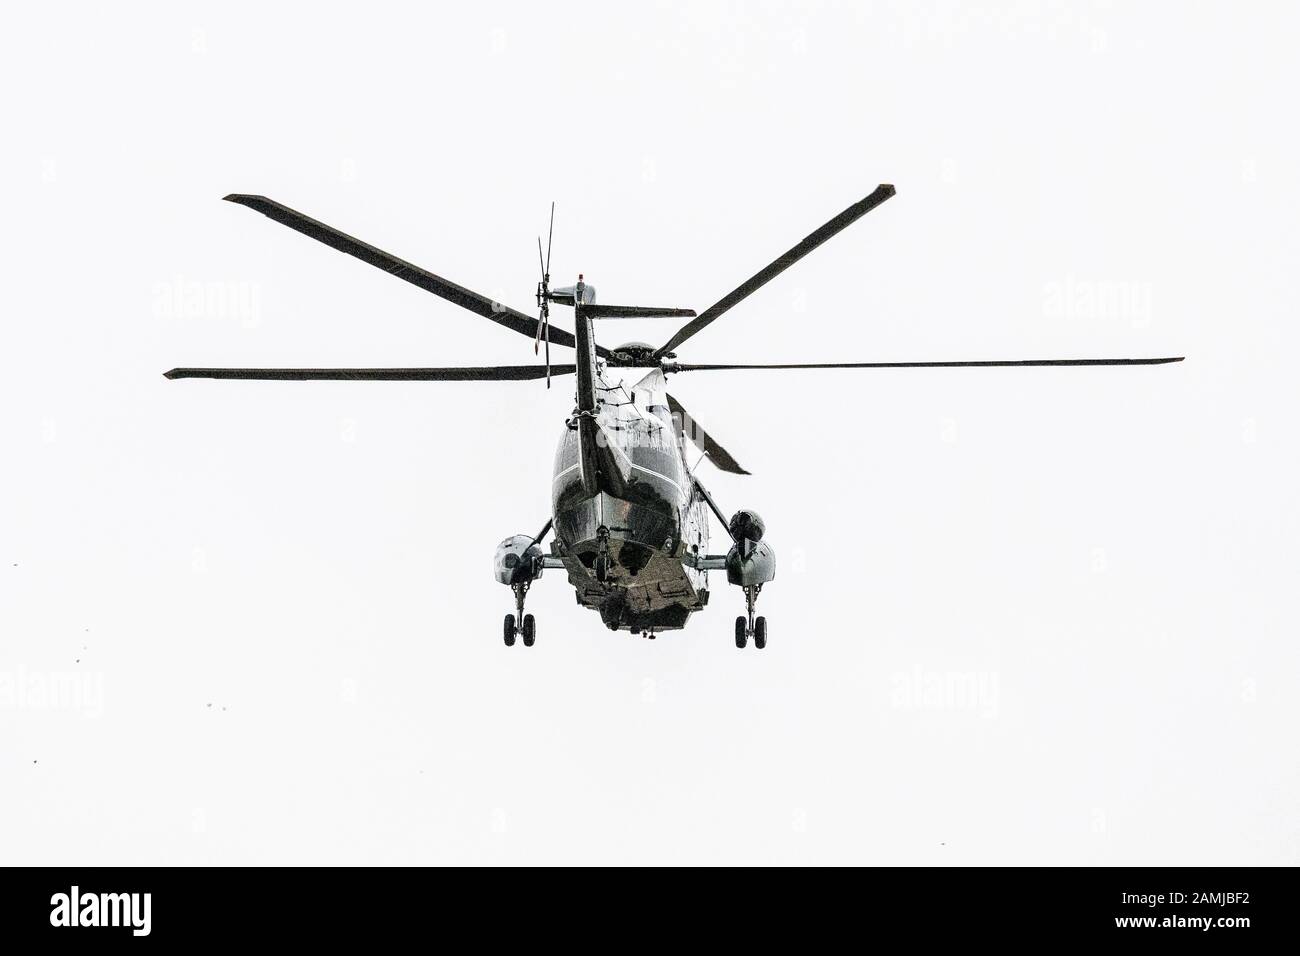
[1021, 616]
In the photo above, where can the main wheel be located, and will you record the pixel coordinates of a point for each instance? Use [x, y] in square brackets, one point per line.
[602, 568]
[760, 632]
[529, 630]
[741, 636]
[510, 630]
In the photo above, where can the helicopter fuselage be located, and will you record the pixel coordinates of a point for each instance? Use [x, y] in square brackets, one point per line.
[629, 522]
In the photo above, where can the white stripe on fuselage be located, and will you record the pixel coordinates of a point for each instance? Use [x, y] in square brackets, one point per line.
[649, 471]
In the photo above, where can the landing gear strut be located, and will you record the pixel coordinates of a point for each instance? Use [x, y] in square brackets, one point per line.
[602, 555]
[527, 624]
[749, 626]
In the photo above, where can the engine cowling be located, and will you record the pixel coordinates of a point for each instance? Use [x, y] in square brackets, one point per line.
[750, 561]
[750, 565]
[518, 560]
[747, 526]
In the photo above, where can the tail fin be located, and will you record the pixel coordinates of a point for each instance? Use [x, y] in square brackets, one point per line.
[636, 312]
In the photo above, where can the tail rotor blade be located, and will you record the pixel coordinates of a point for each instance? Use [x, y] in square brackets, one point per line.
[541, 305]
[550, 232]
[544, 293]
[544, 320]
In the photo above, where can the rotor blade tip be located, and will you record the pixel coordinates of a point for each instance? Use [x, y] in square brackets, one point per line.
[172, 373]
[888, 188]
[244, 199]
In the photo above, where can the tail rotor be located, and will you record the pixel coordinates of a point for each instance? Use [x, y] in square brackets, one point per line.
[544, 296]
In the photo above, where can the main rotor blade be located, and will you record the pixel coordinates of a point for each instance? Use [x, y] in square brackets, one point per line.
[465, 298]
[495, 373]
[678, 367]
[704, 441]
[775, 268]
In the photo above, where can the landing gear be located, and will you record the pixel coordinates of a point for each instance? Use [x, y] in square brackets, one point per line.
[527, 624]
[749, 626]
[601, 566]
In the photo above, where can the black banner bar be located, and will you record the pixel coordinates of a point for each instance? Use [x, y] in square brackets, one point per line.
[94, 907]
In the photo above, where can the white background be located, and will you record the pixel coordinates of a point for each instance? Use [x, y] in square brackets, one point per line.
[1021, 616]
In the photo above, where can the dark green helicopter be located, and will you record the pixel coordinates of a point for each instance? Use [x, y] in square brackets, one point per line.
[629, 514]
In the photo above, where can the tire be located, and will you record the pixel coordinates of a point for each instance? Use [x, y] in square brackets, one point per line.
[741, 637]
[510, 630]
[602, 568]
[760, 632]
[529, 630]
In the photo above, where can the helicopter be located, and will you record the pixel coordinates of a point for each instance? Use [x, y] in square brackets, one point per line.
[630, 515]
